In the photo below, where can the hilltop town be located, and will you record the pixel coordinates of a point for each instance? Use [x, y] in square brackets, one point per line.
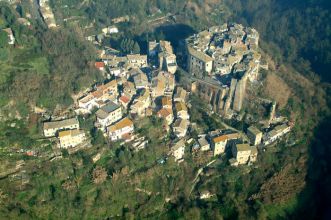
[221, 63]
[163, 109]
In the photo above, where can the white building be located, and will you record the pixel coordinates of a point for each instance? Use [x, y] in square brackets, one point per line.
[87, 103]
[203, 143]
[178, 150]
[276, 133]
[137, 60]
[243, 153]
[51, 128]
[254, 135]
[110, 30]
[180, 95]
[219, 144]
[199, 61]
[11, 38]
[120, 129]
[180, 127]
[71, 138]
[181, 111]
[108, 115]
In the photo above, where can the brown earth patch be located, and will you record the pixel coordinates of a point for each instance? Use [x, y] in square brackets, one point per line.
[277, 89]
[283, 185]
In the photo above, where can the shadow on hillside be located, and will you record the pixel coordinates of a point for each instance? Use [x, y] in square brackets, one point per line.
[175, 32]
[315, 200]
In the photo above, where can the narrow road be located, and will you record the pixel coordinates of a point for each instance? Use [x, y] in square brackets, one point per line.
[198, 174]
[160, 18]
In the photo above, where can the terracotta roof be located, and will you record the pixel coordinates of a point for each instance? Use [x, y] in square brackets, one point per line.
[64, 133]
[127, 136]
[233, 136]
[120, 125]
[166, 46]
[140, 80]
[110, 84]
[164, 112]
[124, 99]
[97, 94]
[181, 123]
[99, 65]
[180, 93]
[220, 138]
[70, 133]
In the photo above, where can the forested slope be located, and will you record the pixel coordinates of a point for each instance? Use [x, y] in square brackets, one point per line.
[44, 66]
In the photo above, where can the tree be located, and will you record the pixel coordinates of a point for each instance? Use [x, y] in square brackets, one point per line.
[3, 54]
[136, 48]
[99, 175]
[3, 39]
[97, 137]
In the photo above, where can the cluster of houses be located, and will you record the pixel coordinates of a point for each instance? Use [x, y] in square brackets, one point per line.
[120, 66]
[163, 53]
[182, 122]
[227, 55]
[219, 49]
[175, 112]
[243, 152]
[139, 85]
[216, 143]
[67, 131]
[106, 31]
[131, 94]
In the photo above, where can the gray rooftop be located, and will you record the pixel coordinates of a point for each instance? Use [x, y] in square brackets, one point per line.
[199, 55]
[243, 147]
[179, 144]
[203, 142]
[254, 130]
[278, 129]
[106, 110]
[59, 124]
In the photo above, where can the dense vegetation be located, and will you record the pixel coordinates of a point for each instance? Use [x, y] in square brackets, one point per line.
[46, 66]
[43, 67]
